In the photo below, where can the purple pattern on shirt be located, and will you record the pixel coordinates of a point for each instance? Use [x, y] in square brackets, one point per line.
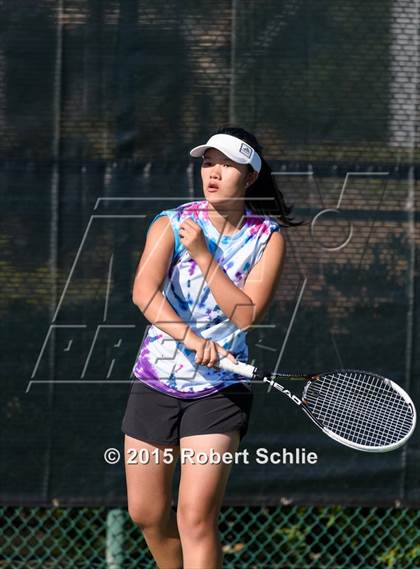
[193, 266]
[143, 366]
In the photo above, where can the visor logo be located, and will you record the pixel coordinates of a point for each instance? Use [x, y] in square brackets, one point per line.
[246, 150]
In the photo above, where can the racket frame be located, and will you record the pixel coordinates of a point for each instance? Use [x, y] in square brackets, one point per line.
[255, 374]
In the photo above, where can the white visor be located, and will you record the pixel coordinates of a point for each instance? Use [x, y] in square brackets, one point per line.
[234, 148]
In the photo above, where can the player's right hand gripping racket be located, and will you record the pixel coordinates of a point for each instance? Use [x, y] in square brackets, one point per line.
[362, 410]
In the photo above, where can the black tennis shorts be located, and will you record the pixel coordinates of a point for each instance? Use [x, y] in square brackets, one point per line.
[155, 417]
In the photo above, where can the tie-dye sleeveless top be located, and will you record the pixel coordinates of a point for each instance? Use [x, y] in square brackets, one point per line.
[166, 364]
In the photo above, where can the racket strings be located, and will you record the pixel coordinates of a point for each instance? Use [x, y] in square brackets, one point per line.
[359, 407]
[360, 430]
[378, 424]
[371, 427]
[351, 405]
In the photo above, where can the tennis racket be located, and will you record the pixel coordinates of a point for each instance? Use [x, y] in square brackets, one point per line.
[358, 409]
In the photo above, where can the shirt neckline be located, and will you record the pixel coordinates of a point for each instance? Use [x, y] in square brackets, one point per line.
[222, 236]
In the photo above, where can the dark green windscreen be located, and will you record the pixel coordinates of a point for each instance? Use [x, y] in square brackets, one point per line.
[100, 102]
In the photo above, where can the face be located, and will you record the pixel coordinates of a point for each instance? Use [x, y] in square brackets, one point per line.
[222, 177]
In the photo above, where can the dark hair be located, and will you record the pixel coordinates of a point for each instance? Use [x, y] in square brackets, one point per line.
[264, 186]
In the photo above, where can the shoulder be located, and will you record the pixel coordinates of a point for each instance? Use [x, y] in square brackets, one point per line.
[271, 224]
[270, 244]
[261, 225]
[259, 232]
[276, 241]
[161, 228]
[274, 244]
[269, 263]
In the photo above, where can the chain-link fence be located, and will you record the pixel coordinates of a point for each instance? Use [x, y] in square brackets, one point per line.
[283, 537]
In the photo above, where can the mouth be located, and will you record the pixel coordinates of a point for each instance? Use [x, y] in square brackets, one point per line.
[212, 187]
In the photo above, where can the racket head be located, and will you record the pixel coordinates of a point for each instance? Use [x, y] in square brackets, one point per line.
[359, 409]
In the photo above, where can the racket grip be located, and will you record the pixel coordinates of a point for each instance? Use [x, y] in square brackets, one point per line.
[241, 368]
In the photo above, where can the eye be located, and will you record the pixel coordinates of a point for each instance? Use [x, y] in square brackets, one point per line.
[227, 164]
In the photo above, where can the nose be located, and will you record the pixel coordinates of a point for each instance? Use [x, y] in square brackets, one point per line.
[215, 171]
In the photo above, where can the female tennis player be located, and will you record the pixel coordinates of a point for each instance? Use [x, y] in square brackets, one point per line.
[206, 276]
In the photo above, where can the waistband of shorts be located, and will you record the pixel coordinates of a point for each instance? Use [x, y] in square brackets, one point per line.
[241, 386]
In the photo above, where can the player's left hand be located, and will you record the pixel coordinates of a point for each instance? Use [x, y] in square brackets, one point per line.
[192, 237]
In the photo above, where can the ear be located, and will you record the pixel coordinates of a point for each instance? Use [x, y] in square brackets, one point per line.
[252, 176]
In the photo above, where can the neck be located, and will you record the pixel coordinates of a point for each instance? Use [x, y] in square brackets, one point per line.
[227, 220]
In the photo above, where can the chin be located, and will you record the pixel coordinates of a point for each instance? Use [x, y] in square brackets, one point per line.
[217, 201]
[215, 196]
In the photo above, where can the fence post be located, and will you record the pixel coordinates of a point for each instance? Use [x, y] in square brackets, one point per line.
[115, 539]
